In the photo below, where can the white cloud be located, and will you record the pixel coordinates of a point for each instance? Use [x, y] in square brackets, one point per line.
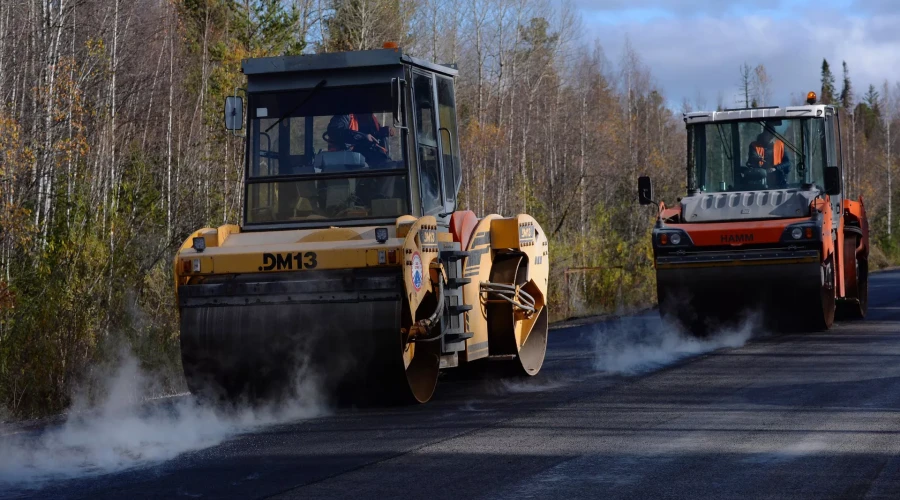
[701, 54]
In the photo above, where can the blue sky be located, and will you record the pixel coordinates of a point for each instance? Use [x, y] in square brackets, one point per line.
[694, 48]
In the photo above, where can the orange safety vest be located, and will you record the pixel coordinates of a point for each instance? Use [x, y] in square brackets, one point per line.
[354, 126]
[777, 153]
[354, 123]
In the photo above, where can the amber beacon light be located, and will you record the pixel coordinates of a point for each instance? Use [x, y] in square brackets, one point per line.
[811, 98]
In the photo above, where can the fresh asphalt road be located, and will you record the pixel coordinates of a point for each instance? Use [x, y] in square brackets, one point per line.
[796, 416]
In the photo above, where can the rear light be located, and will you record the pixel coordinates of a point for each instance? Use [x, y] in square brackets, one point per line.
[392, 256]
[186, 266]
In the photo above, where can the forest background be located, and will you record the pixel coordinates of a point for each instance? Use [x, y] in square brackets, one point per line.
[112, 150]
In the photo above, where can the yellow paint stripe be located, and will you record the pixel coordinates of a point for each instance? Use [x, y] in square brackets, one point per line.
[734, 263]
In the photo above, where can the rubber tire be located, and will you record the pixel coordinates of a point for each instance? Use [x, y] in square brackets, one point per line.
[828, 299]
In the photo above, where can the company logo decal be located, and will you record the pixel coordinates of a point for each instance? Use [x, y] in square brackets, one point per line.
[417, 271]
[729, 239]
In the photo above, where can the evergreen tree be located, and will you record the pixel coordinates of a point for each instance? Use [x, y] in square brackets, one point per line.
[846, 90]
[873, 100]
[828, 91]
[746, 86]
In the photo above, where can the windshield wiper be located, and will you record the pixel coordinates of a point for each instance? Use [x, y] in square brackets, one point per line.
[298, 106]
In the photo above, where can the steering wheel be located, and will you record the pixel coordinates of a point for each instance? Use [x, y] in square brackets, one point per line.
[352, 210]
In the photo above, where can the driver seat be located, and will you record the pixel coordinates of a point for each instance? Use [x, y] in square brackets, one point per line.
[751, 179]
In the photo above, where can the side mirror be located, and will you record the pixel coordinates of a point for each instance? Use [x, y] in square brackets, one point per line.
[832, 180]
[234, 113]
[645, 190]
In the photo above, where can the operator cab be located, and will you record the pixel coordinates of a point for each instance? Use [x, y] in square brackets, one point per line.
[344, 139]
[794, 150]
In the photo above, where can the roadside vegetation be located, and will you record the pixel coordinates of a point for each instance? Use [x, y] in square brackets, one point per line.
[112, 151]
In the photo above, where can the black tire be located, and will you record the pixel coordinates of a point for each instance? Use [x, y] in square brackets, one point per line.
[828, 302]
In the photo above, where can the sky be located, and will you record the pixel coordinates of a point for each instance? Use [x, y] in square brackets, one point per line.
[695, 48]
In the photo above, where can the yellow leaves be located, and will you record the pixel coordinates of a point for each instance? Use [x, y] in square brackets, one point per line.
[7, 297]
[15, 157]
[96, 47]
[16, 224]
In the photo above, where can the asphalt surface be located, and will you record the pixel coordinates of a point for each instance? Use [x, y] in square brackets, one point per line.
[795, 416]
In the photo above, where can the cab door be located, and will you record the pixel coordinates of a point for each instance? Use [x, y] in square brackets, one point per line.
[449, 143]
[834, 157]
[427, 147]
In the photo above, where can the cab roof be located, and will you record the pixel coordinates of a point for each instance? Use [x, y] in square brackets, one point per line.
[339, 61]
[363, 67]
[808, 111]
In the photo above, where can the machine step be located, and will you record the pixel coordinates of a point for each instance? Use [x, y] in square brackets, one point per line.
[459, 309]
[453, 255]
[458, 282]
[457, 337]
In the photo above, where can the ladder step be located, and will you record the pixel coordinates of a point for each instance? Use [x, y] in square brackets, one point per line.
[458, 282]
[459, 309]
[453, 255]
[457, 337]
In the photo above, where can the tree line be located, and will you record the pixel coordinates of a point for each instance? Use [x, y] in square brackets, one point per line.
[112, 151]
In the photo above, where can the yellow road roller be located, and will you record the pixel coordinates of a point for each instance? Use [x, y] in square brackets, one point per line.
[352, 268]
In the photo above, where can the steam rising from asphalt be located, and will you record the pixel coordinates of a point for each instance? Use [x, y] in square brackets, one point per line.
[643, 344]
[123, 431]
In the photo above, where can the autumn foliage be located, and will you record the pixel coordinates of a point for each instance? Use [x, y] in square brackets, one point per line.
[112, 151]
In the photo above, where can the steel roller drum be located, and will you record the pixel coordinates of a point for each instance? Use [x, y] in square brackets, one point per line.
[784, 297]
[259, 336]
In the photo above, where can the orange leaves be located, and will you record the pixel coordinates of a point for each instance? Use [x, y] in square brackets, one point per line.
[15, 159]
[7, 297]
[480, 137]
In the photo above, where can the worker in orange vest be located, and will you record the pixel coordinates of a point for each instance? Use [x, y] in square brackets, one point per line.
[768, 152]
[361, 133]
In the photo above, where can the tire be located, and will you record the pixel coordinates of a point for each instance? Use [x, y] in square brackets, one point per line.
[828, 299]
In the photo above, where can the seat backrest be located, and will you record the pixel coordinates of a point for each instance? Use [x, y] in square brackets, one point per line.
[331, 160]
[462, 225]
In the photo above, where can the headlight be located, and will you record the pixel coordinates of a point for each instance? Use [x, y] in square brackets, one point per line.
[199, 243]
[381, 234]
[802, 232]
[672, 238]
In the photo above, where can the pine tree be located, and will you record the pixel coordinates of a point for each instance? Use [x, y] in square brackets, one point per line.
[828, 91]
[873, 100]
[847, 90]
[746, 85]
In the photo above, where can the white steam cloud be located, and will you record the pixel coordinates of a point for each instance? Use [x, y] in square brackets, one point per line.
[642, 344]
[125, 431]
